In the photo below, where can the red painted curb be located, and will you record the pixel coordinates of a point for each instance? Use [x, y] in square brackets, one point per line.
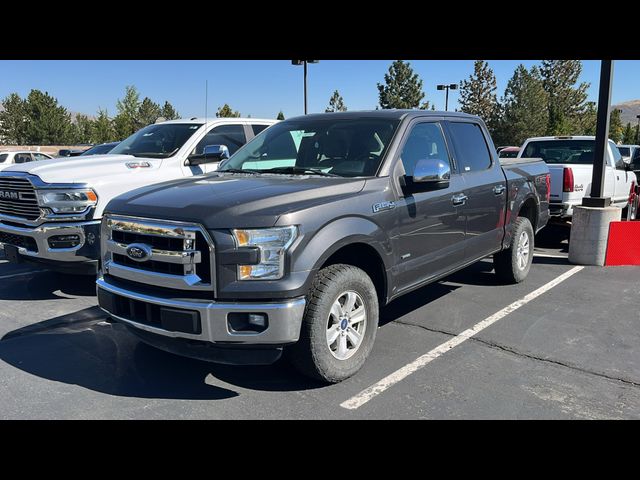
[623, 246]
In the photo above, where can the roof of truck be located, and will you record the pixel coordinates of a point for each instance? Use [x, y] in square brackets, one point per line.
[225, 119]
[387, 113]
[563, 137]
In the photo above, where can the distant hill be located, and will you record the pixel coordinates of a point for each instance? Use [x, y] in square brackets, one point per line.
[629, 111]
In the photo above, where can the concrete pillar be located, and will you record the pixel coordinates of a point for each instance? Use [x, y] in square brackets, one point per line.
[589, 234]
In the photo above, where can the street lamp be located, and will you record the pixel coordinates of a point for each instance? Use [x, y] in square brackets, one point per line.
[304, 62]
[452, 86]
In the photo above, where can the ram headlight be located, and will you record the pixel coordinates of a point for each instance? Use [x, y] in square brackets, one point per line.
[273, 244]
[67, 201]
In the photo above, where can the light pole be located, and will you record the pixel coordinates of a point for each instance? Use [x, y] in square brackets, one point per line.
[304, 63]
[452, 86]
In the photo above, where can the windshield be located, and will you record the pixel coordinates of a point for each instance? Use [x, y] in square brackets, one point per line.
[562, 151]
[157, 141]
[99, 149]
[625, 151]
[346, 147]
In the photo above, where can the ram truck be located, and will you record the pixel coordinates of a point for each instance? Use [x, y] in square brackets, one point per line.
[50, 210]
[570, 161]
[298, 239]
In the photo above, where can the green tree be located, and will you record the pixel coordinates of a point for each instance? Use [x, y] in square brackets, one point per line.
[226, 111]
[567, 101]
[585, 124]
[628, 135]
[168, 112]
[148, 113]
[13, 120]
[402, 88]
[478, 95]
[126, 121]
[280, 115]
[524, 108]
[82, 129]
[336, 103]
[616, 130]
[47, 122]
[103, 130]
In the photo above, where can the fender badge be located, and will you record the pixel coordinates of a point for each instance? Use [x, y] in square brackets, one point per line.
[382, 206]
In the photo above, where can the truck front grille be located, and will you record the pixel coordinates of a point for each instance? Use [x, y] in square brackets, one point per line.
[163, 254]
[18, 198]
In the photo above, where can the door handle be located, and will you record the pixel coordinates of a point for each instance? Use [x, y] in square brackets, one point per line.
[459, 199]
[499, 189]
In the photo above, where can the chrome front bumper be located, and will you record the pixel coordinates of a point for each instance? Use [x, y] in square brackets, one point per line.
[87, 249]
[284, 318]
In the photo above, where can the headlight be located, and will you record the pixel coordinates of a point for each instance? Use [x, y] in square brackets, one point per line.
[273, 244]
[67, 201]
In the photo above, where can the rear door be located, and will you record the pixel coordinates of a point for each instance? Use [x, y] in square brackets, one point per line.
[621, 185]
[485, 188]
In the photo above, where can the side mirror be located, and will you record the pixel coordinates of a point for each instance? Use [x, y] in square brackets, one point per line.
[432, 171]
[210, 154]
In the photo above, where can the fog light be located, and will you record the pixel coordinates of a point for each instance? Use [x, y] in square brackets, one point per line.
[238, 322]
[64, 241]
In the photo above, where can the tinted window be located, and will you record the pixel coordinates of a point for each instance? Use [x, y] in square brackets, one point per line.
[617, 157]
[636, 157]
[425, 141]
[3, 157]
[157, 140]
[99, 149]
[230, 135]
[561, 151]
[471, 148]
[40, 156]
[22, 158]
[342, 146]
[258, 128]
[625, 151]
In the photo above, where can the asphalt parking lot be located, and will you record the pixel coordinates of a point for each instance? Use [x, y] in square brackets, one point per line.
[569, 352]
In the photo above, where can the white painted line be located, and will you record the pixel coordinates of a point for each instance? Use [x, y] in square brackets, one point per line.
[399, 375]
[548, 255]
[20, 274]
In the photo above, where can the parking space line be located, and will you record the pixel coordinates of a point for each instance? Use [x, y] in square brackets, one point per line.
[20, 274]
[367, 394]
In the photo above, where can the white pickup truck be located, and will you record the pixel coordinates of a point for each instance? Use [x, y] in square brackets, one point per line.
[570, 161]
[50, 210]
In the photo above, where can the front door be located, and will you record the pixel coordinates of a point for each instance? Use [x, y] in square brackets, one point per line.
[430, 227]
[231, 135]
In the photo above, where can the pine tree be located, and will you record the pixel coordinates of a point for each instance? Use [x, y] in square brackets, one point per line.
[47, 122]
[13, 120]
[628, 135]
[402, 87]
[82, 129]
[226, 111]
[567, 102]
[585, 124]
[103, 130]
[148, 113]
[126, 121]
[525, 108]
[616, 130]
[168, 112]
[336, 103]
[478, 95]
[280, 115]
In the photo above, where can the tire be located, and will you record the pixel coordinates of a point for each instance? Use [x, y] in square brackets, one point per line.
[312, 355]
[510, 265]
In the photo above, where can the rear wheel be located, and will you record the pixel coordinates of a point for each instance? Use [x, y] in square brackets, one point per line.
[339, 327]
[512, 265]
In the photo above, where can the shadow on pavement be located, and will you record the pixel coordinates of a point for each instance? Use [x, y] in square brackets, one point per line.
[46, 286]
[555, 237]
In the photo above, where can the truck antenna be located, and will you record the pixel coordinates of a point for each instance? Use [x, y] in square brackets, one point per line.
[206, 101]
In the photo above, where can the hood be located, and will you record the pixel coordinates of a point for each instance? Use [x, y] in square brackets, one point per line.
[80, 169]
[233, 200]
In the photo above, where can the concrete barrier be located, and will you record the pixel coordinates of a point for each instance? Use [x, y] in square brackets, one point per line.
[589, 234]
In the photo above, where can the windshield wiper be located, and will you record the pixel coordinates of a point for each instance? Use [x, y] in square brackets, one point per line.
[300, 171]
[240, 170]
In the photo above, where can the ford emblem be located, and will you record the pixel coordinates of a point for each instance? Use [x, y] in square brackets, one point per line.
[139, 252]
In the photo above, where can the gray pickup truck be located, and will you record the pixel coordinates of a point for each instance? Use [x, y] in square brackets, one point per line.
[298, 239]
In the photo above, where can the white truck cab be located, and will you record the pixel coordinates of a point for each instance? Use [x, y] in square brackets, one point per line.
[11, 157]
[570, 161]
[50, 210]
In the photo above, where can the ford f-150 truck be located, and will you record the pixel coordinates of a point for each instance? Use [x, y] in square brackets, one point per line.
[50, 210]
[299, 238]
[570, 160]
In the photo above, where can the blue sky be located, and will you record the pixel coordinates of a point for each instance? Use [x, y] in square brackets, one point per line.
[257, 87]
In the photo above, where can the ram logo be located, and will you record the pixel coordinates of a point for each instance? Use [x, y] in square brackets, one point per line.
[139, 252]
[9, 195]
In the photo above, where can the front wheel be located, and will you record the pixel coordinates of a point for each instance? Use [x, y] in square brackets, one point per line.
[339, 326]
[512, 265]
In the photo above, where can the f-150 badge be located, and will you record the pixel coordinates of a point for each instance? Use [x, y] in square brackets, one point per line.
[379, 207]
